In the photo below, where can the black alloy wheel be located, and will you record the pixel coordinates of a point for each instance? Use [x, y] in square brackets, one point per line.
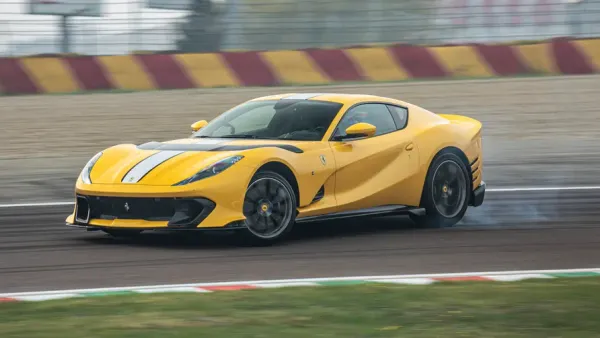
[269, 207]
[446, 192]
[449, 188]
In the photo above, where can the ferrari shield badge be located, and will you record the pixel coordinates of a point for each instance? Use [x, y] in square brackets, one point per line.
[323, 159]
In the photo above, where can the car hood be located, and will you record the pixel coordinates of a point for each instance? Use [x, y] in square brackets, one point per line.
[166, 163]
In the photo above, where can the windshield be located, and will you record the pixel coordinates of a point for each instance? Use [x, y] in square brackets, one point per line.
[300, 120]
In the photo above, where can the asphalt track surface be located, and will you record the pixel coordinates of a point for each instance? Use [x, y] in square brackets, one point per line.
[523, 230]
[538, 132]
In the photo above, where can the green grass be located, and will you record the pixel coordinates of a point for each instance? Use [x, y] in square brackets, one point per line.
[535, 308]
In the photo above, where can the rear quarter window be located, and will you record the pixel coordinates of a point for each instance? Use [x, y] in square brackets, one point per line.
[400, 115]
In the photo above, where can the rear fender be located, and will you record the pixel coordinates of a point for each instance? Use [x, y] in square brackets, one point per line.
[461, 133]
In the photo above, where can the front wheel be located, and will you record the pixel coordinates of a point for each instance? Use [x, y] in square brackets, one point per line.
[445, 193]
[269, 208]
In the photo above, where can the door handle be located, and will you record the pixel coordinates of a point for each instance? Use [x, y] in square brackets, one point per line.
[410, 147]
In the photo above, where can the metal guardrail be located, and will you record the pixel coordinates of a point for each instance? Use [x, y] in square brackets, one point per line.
[211, 25]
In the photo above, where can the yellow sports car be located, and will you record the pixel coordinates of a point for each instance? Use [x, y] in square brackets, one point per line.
[275, 161]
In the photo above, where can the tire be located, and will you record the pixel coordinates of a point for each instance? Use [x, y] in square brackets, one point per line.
[270, 209]
[446, 192]
[122, 233]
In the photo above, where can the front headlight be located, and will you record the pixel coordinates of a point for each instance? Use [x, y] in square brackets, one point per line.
[212, 170]
[85, 173]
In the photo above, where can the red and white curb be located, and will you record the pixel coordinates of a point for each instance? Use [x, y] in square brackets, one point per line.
[421, 279]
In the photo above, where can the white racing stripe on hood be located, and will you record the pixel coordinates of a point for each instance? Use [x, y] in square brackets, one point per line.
[145, 166]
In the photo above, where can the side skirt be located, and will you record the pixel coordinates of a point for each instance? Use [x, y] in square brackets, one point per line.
[386, 210]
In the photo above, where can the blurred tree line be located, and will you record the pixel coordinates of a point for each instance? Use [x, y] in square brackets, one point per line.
[201, 31]
[293, 24]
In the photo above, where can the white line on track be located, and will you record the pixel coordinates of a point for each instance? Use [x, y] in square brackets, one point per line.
[492, 190]
[592, 187]
[41, 204]
[303, 280]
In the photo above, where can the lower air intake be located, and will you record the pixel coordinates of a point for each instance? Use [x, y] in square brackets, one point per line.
[82, 210]
[179, 212]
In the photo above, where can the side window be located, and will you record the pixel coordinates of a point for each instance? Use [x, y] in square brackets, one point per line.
[373, 113]
[400, 115]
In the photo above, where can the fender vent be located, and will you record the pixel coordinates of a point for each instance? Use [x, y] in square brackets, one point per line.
[475, 165]
[319, 194]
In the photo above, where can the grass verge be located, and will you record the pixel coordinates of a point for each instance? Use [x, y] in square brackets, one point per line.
[567, 307]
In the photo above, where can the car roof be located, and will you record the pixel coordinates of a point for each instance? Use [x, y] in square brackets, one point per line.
[331, 97]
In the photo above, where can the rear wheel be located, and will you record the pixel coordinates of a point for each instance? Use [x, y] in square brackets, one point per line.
[269, 208]
[445, 193]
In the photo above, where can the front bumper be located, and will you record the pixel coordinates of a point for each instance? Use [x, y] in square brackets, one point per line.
[478, 195]
[160, 207]
[211, 204]
[151, 213]
[177, 212]
[146, 213]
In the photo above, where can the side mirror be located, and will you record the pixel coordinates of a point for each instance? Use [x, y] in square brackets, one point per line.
[199, 125]
[360, 130]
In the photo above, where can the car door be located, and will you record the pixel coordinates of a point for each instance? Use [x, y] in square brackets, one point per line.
[374, 171]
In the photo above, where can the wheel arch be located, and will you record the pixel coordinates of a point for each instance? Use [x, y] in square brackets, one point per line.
[284, 171]
[458, 152]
